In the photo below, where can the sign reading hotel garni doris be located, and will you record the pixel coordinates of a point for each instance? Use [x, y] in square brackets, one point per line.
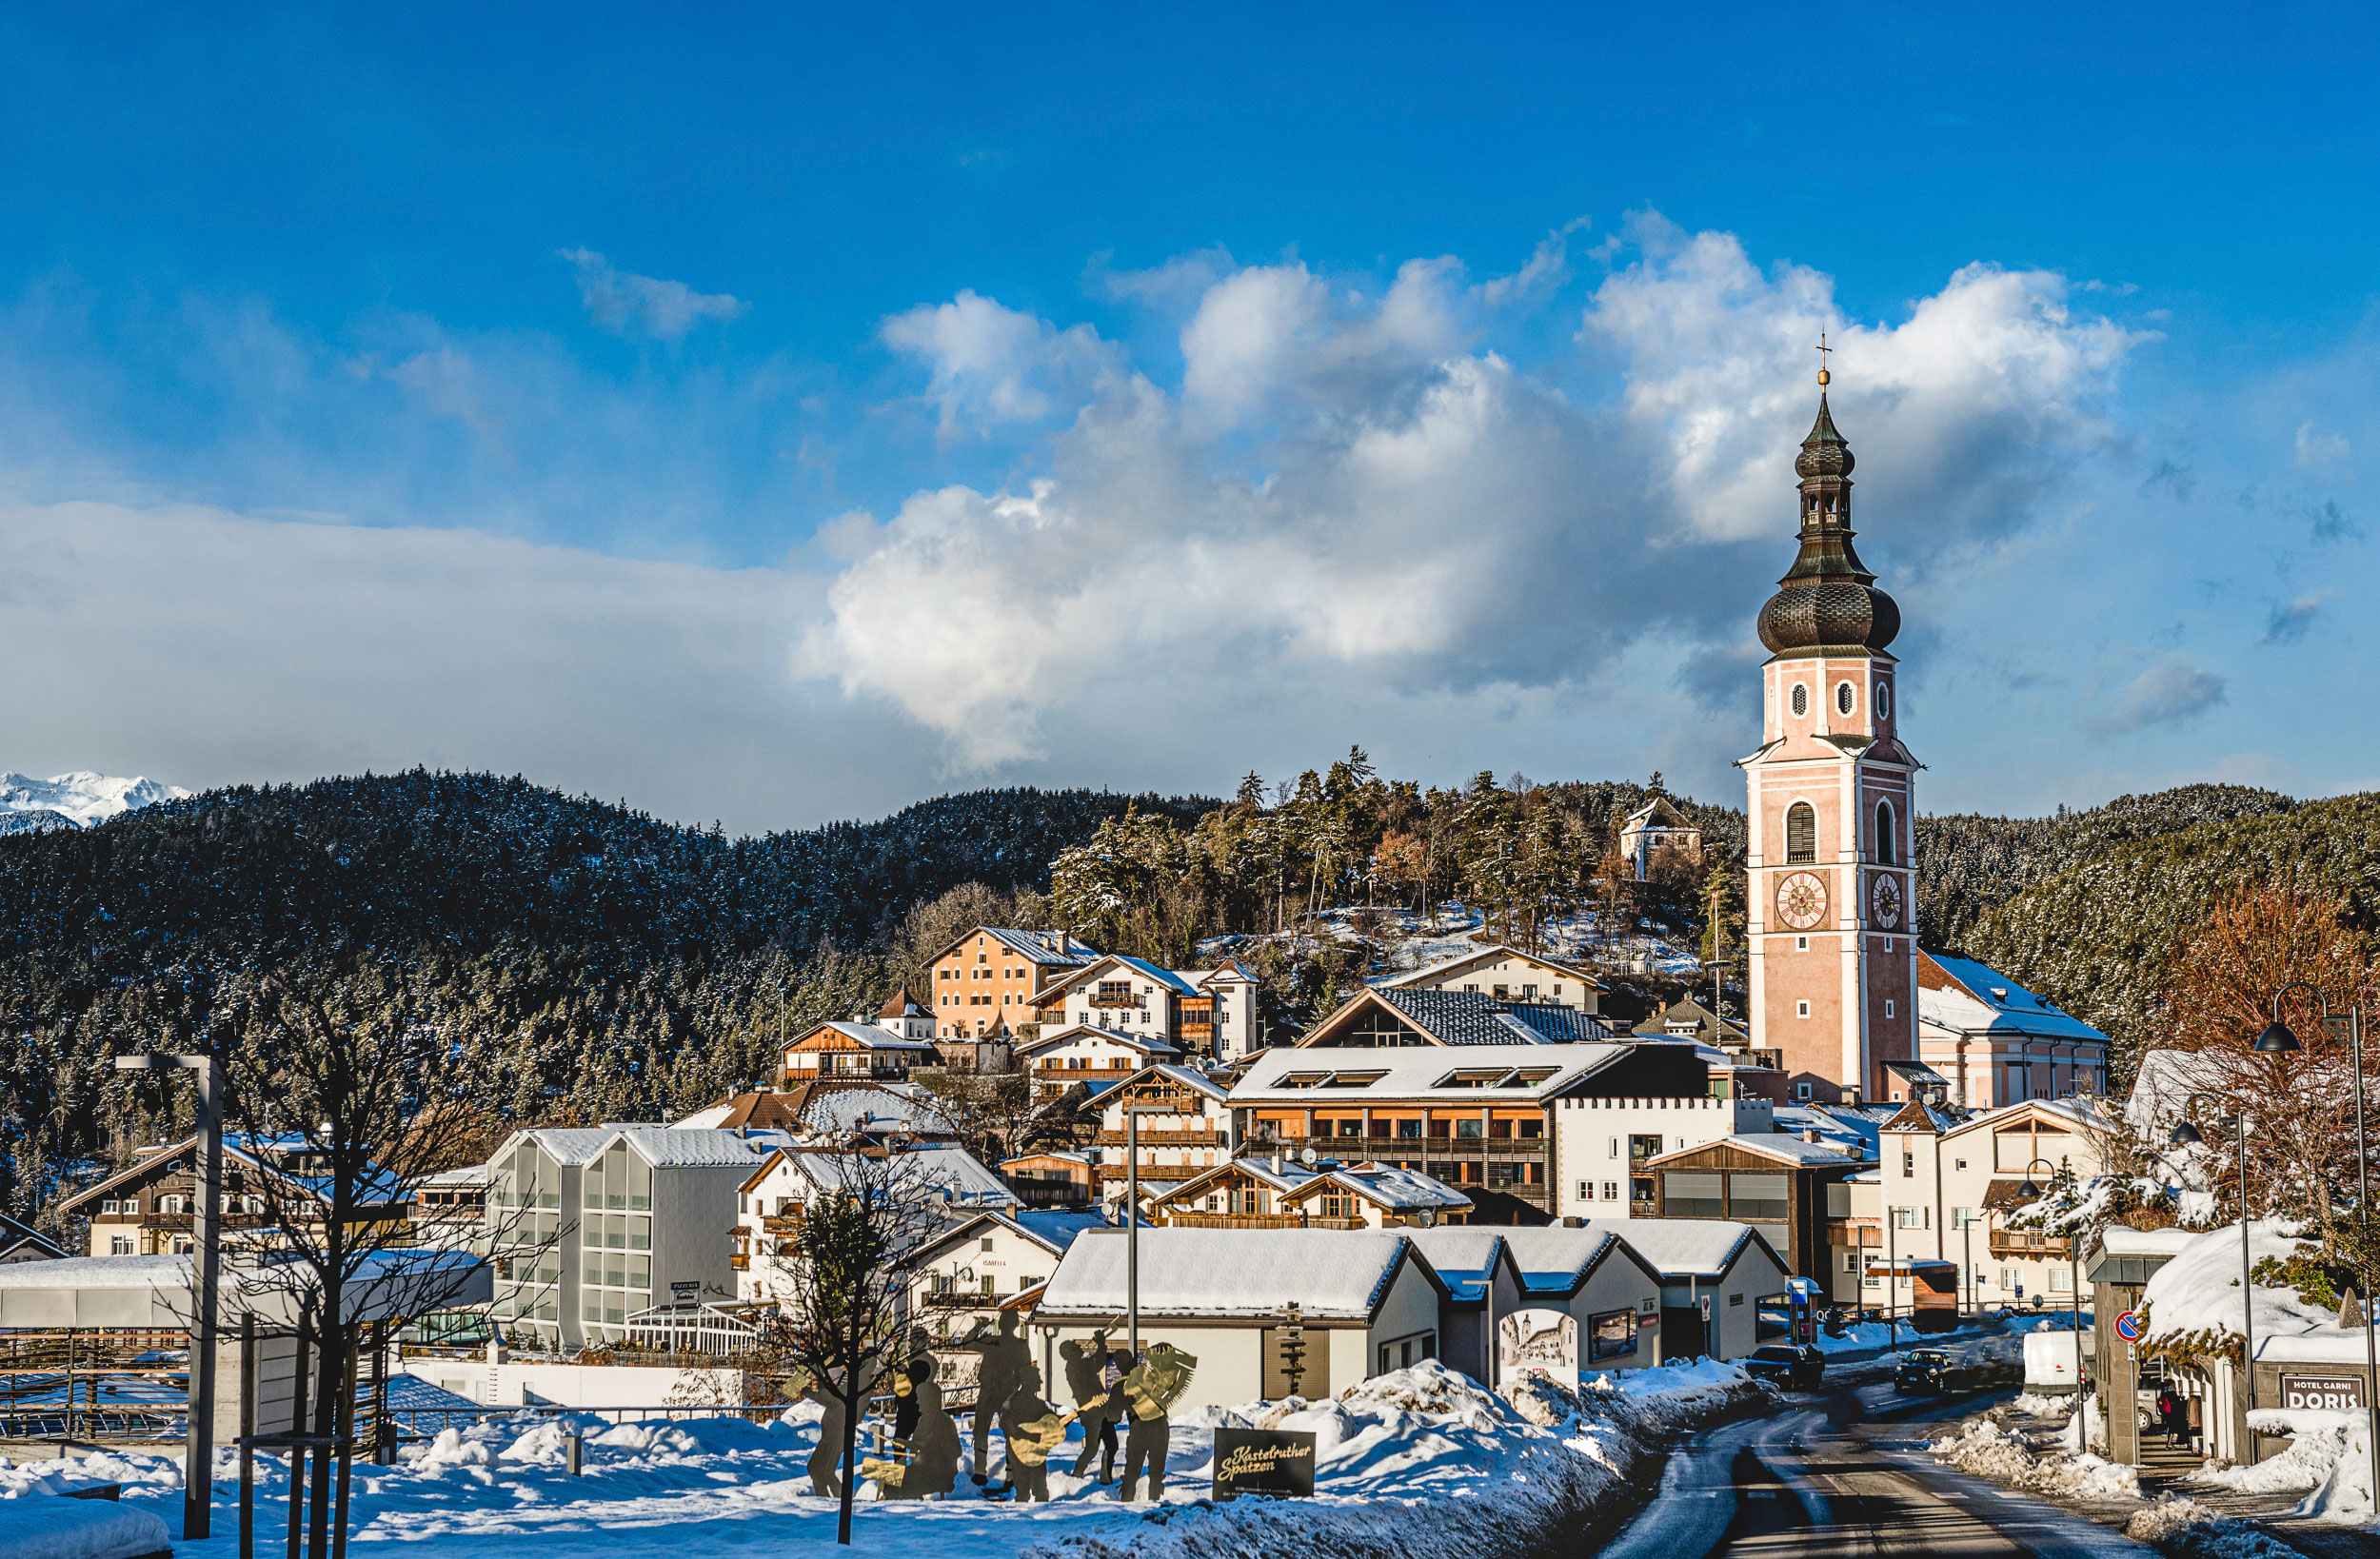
[1251, 1461]
[2333, 1391]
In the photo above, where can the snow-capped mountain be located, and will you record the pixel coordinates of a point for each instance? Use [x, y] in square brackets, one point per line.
[74, 801]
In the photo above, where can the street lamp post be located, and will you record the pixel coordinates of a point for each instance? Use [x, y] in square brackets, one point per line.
[2278, 1036]
[2186, 1134]
[198, 1450]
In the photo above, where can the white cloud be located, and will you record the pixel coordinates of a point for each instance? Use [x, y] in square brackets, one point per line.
[210, 648]
[1350, 493]
[1976, 394]
[2315, 448]
[993, 365]
[626, 303]
[2173, 692]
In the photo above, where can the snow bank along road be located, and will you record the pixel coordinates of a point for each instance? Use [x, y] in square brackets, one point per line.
[1841, 1474]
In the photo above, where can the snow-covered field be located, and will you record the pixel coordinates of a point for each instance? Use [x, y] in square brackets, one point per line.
[1421, 1456]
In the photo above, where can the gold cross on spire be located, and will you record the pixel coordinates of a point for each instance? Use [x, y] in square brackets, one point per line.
[1824, 378]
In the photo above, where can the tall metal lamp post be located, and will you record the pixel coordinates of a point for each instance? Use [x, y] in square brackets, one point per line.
[2030, 1191]
[198, 1451]
[2273, 1040]
[2278, 1036]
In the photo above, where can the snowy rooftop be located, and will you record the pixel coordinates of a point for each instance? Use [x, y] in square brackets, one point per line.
[869, 1037]
[668, 1147]
[956, 1172]
[2123, 1241]
[1327, 1073]
[135, 1272]
[1467, 1017]
[1494, 953]
[1777, 1145]
[2198, 1289]
[1675, 1247]
[1333, 1274]
[1973, 998]
[1461, 1255]
[1553, 1259]
[567, 1144]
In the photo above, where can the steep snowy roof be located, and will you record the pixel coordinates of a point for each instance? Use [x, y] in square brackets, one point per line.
[1466, 1017]
[1842, 1126]
[1677, 1247]
[1243, 1274]
[1399, 1190]
[1554, 1259]
[568, 1145]
[1972, 997]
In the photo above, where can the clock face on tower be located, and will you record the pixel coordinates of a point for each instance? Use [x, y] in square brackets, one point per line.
[1801, 899]
[1884, 903]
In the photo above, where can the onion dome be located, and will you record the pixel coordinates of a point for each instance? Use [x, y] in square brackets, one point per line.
[1828, 604]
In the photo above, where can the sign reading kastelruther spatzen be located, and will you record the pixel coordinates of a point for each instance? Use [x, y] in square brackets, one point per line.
[1264, 1462]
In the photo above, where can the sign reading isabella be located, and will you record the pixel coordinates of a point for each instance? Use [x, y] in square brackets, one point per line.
[1264, 1462]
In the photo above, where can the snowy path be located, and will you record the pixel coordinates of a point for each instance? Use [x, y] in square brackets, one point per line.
[1843, 1473]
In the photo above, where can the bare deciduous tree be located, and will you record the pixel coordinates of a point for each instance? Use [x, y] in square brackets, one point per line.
[844, 1280]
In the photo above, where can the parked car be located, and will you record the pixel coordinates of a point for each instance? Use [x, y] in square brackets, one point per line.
[1928, 1369]
[1798, 1369]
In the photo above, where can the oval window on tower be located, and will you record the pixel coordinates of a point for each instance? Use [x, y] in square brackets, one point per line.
[1801, 833]
[1844, 698]
[1801, 699]
[1883, 700]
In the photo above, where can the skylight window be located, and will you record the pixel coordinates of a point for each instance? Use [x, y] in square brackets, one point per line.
[1353, 1079]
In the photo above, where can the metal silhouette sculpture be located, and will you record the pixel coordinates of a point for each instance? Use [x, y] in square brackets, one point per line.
[1156, 1381]
[1006, 1359]
[1095, 1375]
[1033, 1431]
[825, 1478]
[928, 1465]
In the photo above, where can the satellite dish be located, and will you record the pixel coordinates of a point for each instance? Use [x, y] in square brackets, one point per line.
[1306, 1156]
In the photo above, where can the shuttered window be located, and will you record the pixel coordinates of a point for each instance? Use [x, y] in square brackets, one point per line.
[1691, 1196]
[1801, 833]
[1758, 1198]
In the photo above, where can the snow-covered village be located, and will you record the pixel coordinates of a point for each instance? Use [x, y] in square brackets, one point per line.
[1108, 785]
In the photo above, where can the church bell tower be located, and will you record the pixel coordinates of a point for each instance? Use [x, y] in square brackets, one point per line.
[1831, 906]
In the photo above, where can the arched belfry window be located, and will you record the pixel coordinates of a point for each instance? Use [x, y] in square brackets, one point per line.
[1801, 833]
[1884, 833]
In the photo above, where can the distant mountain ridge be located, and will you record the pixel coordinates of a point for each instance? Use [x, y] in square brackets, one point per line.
[75, 800]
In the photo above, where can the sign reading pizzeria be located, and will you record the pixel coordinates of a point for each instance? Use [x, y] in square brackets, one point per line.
[2328, 1391]
[1251, 1461]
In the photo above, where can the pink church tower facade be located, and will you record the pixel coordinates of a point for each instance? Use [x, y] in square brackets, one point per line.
[1830, 896]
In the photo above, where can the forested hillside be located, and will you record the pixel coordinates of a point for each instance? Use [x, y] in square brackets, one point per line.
[616, 967]
[1968, 863]
[2098, 936]
[624, 966]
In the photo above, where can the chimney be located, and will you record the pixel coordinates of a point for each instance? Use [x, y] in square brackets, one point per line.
[1810, 1134]
[1276, 1163]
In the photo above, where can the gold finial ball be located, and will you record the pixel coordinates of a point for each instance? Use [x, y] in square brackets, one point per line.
[1825, 379]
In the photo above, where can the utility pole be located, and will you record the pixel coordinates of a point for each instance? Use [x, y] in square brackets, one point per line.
[198, 1452]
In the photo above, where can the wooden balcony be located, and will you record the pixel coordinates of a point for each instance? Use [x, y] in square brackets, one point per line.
[788, 1224]
[1251, 1220]
[1115, 999]
[2021, 1242]
[957, 1299]
[1860, 1233]
[1209, 1139]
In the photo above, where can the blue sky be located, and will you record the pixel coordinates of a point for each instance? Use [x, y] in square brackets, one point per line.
[780, 415]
